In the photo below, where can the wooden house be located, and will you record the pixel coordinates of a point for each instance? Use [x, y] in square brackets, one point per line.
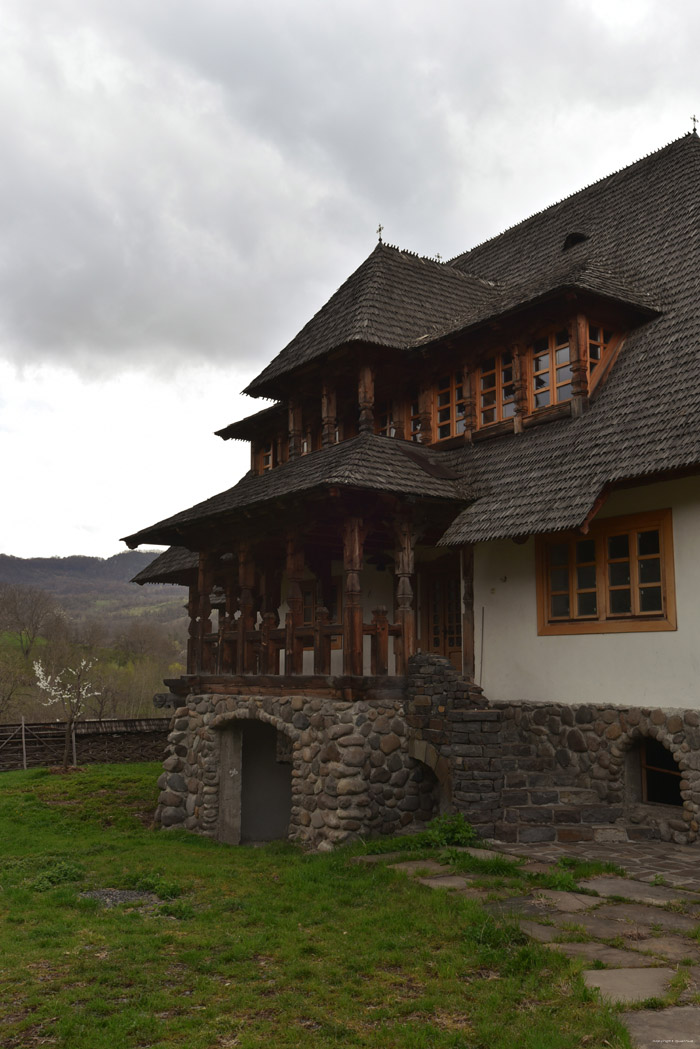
[490, 461]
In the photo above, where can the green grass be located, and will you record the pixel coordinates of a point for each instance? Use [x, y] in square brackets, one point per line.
[249, 946]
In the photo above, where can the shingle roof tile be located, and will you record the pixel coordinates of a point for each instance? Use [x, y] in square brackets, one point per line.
[368, 461]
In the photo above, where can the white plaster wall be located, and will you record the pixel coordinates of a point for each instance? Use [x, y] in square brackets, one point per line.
[647, 669]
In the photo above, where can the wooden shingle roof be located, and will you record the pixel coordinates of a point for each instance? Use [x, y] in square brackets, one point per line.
[392, 300]
[633, 237]
[645, 419]
[369, 462]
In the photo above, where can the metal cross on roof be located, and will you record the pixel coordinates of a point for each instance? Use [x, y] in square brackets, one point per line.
[695, 123]
[379, 232]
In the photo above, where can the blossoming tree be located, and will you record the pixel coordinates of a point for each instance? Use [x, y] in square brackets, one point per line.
[71, 688]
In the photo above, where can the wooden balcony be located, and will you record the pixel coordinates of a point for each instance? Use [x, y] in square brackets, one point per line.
[268, 649]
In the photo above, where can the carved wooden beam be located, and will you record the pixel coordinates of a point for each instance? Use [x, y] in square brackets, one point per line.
[294, 648]
[426, 397]
[353, 544]
[329, 412]
[520, 370]
[578, 349]
[295, 427]
[405, 613]
[366, 399]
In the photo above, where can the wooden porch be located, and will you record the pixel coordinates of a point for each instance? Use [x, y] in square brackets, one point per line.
[236, 627]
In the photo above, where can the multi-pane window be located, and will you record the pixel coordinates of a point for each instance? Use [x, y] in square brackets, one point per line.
[598, 340]
[451, 406]
[550, 369]
[619, 577]
[496, 389]
[267, 457]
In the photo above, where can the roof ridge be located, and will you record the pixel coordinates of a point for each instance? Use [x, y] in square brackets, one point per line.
[569, 196]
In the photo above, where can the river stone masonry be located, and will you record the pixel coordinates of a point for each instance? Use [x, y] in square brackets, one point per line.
[369, 760]
[352, 772]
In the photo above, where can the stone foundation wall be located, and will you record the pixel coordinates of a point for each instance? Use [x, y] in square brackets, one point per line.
[567, 773]
[352, 772]
[377, 760]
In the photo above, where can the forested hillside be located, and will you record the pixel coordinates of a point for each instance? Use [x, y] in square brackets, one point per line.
[76, 629]
[90, 588]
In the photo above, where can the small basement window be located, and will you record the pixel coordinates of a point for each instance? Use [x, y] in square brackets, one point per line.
[661, 777]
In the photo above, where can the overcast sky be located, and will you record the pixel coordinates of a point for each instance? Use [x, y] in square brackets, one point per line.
[184, 184]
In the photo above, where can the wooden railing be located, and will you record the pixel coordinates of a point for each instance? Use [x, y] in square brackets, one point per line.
[258, 650]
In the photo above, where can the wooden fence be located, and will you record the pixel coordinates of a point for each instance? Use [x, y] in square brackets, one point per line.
[30, 745]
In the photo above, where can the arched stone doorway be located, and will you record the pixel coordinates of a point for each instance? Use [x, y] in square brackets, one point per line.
[256, 783]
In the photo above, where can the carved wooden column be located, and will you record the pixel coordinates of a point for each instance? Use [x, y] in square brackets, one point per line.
[322, 642]
[329, 413]
[520, 366]
[294, 646]
[205, 582]
[366, 399]
[193, 630]
[578, 349]
[227, 623]
[405, 613]
[246, 621]
[353, 541]
[425, 408]
[380, 641]
[295, 427]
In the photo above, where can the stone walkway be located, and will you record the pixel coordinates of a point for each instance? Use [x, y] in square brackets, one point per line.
[636, 931]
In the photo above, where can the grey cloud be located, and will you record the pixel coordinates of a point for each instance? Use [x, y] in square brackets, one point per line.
[192, 181]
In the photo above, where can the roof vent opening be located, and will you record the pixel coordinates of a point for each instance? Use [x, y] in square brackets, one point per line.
[574, 238]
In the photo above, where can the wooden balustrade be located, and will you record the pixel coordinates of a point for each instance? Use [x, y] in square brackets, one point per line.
[237, 650]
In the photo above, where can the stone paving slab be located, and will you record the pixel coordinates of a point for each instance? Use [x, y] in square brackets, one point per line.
[541, 933]
[600, 952]
[566, 902]
[645, 917]
[675, 1026]
[527, 906]
[422, 866]
[634, 890]
[648, 859]
[674, 948]
[597, 928]
[629, 985]
[448, 881]
[478, 895]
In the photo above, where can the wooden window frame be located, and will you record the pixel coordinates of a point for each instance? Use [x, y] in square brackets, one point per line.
[606, 621]
[501, 403]
[602, 344]
[452, 399]
[554, 386]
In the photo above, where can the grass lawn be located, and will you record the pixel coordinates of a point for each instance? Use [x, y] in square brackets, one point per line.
[249, 946]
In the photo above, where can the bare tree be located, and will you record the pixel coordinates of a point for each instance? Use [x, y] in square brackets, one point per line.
[14, 679]
[26, 611]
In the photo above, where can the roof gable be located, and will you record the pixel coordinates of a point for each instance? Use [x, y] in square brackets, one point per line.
[392, 300]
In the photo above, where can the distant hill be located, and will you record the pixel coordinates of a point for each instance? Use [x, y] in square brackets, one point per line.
[99, 588]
